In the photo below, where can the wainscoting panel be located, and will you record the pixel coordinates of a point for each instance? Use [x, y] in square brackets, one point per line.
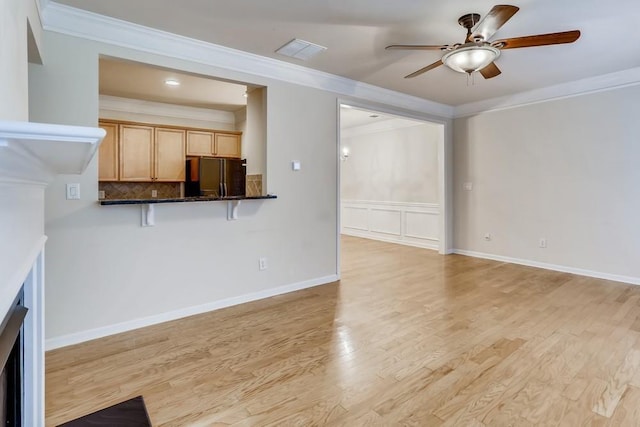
[387, 221]
[413, 224]
[355, 218]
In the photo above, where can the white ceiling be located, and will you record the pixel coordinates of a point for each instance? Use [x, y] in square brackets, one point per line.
[356, 32]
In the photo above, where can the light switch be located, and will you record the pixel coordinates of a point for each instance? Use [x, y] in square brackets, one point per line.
[295, 165]
[73, 191]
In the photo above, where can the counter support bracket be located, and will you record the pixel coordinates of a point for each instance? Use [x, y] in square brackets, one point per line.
[232, 209]
[148, 215]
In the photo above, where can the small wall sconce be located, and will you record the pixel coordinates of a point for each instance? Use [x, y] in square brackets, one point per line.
[344, 154]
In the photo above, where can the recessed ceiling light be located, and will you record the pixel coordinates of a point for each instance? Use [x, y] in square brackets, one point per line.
[172, 82]
[300, 49]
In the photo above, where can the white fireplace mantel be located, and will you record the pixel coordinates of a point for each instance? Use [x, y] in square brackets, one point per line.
[36, 152]
[33, 154]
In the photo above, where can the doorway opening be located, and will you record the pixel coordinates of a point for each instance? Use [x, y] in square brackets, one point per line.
[391, 178]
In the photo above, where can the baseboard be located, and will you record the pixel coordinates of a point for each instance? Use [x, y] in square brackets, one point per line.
[92, 334]
[554, 267]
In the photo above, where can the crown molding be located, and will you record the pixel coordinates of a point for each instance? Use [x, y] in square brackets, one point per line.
[137, 106]
[630, 77]
[79, 23]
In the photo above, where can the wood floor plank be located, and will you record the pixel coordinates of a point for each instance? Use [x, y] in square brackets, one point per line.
[407, 337]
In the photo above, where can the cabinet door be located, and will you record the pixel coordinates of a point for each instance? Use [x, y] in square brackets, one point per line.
[227, 145]
[136, 153]
[169, 155]
[108, 154]
[199, 143]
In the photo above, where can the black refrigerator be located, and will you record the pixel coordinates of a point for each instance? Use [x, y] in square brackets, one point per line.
[213, 177]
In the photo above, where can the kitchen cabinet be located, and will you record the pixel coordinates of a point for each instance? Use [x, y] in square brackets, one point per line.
[200, 143]
[227, 145]
[169, 155]
[216, 144]
[108, 162]
[136, 153]
[140, 152]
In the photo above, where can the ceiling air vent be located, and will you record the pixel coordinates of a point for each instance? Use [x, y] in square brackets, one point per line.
[300, 49]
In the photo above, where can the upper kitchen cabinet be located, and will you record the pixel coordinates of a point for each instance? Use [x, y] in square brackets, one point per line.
[108, 154]
[227, 145]
[144, 153]
[217, 144]
[136, 153]
[200, 143]
[169, 157]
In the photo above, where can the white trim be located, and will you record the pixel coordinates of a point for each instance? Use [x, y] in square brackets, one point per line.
[601, 83]
[137, 106]
[554, 267]
[428, 206]
[80, 337]
[79, 23]
[34, 374]
[10, 289]
[423, 243]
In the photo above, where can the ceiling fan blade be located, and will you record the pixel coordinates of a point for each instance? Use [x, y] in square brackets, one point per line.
[538, 40]
[493, 20]
[424, 70]
[490, 71]
[415, 47]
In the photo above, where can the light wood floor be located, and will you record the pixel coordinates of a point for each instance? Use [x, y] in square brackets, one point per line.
[408, 338]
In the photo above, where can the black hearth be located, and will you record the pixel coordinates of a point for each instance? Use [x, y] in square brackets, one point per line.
[11, 365]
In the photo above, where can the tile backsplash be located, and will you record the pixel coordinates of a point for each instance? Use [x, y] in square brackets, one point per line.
[254, 185]
[165, 190]
[139, 190]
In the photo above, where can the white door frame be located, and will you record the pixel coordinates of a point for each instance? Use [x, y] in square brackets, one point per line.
[445, 175]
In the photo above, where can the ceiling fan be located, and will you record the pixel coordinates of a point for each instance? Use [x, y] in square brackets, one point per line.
[477, 53]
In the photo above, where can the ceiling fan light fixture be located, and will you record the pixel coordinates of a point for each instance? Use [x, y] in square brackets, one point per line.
[468, 59]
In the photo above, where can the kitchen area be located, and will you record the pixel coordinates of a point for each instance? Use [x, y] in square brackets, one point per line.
[177, 137]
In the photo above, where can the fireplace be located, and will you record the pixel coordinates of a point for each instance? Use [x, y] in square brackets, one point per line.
[31, 156]
[12, 365]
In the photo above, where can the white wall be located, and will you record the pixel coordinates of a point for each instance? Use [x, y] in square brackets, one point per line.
[134, 110]
[103, 269]
[399, 165]
[565, 170]
[21, 208]
[254, 140]
[14, 15]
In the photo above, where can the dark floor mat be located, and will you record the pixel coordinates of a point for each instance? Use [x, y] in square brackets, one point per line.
[131, 413]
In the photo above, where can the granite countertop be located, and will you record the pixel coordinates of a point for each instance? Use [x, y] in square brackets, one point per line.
[108, 202]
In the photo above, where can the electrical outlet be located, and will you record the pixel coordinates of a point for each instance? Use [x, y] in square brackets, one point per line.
[468, 186]
[543, 242]
[154, 193]
[487, 237]
[262, 264]
[101, 194]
